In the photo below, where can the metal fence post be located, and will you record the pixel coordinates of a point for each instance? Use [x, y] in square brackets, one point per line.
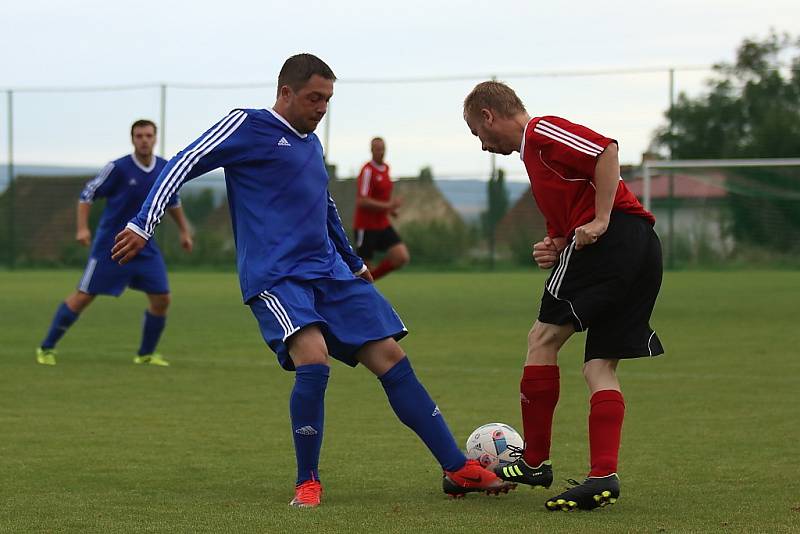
[163, 121]
[10, 189]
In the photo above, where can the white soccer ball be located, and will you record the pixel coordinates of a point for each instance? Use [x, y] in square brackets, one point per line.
[495, 444]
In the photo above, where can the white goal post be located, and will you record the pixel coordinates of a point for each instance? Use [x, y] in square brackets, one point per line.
[705, 164]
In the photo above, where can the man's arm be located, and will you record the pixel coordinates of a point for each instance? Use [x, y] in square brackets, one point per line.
[378, 205]
[98, 187]
[83, 234]
[223, 144]
[606, 182]
[342, 244]
[178, 215]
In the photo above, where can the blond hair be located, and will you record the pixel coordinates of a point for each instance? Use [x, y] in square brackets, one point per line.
[496, 96]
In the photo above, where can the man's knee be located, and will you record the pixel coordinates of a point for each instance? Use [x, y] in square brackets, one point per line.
[600, 374]
[403, 256]
[159, 304]
[308, 347]
[79, 301]
[544, 342]
[380, 356]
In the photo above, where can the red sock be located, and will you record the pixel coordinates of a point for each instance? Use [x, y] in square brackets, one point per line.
[605, 426]
[539, 390]
[384, 268]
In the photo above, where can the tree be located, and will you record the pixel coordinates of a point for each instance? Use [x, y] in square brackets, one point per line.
[497, 202]
[751, 110]
[426, 175]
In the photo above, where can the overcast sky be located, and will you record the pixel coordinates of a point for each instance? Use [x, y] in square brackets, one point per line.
[80, 43]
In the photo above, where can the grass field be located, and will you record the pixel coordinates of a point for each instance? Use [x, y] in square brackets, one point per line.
[711, 441]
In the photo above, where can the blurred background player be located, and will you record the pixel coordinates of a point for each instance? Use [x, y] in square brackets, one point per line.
[374, 205]
[124, 184]
[607, 267]
[310, 293]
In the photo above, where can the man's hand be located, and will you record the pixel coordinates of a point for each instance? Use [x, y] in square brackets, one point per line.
[187, 243]
[589, 233]
[546, 251]
[84, 236]
[394, 206]
[127, 245]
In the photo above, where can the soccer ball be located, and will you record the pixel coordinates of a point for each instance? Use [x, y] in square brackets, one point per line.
[495, 444]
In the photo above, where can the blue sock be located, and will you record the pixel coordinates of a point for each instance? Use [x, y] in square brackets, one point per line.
[415, 408]
[62, 320]
[307, 410]
[151, 332]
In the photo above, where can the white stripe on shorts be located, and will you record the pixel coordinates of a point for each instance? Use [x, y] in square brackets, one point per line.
[277, 309]
[87, 275]
[561, 270]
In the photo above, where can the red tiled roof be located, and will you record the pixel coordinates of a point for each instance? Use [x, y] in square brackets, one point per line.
[684, 186]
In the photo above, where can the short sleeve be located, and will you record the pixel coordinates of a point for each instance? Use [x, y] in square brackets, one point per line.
[571, 145]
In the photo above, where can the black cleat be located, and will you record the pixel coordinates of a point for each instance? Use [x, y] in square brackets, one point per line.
[520, 472]
[594, 492]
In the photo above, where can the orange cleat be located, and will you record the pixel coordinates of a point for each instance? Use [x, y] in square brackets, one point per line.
[307, 495]
[472, 478]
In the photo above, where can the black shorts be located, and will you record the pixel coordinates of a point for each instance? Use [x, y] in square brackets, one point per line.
[370, 241]
[609, 288]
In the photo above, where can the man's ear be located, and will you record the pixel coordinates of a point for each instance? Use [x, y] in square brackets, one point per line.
[487, 115]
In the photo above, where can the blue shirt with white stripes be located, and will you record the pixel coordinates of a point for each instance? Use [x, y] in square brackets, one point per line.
[285, 222]
[124, 183]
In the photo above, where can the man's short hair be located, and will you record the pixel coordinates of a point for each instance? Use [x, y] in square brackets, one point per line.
[298, 69]
[377, 139]
[496, 96]
[143, 122]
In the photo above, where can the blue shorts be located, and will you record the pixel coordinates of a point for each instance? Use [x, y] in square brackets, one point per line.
[104, 276]
[350, 313]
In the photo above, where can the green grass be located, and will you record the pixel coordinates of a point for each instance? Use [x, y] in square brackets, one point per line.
[96, 444]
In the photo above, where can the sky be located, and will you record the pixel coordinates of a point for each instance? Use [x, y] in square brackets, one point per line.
[114, 43]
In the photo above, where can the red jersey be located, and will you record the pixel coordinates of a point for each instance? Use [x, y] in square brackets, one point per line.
[560, 158]
[374, 183]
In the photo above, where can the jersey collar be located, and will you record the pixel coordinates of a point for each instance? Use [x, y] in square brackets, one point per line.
[142, 167]
[522, 145]
[286, 123]
[381, 167]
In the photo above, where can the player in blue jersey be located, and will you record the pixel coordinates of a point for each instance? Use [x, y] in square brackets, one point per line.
[310, 293]
[124, 183]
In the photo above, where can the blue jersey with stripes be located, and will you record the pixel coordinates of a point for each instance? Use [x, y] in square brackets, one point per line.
[285, 222]
[124, 183]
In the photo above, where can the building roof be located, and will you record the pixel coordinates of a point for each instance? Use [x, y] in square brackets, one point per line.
[685, 186]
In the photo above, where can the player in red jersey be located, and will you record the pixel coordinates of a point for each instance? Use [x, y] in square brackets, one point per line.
[607, 268]
[374, 204]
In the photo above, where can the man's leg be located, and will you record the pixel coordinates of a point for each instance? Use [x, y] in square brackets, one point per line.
[396, 257]
[65, 316]
[539, 391]
[607, 410]
[410, 401]
[155, 319]
[309, 354]
[415, 408]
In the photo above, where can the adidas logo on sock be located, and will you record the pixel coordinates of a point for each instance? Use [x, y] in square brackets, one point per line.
[306, 430]
[283, 142]
[523, 398]
[436, 412]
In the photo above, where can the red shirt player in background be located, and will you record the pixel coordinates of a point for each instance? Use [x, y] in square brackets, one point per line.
[374, 204]
[606, 261]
